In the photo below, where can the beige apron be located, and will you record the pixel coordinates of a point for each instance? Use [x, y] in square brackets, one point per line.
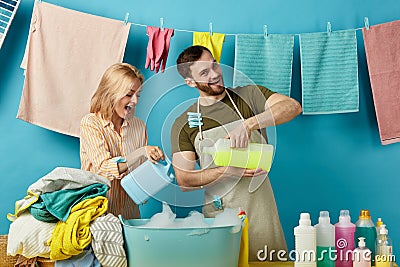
[264, 225]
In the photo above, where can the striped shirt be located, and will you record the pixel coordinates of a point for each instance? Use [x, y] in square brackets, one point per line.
[101, 144]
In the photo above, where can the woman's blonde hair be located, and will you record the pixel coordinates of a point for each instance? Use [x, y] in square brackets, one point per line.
[117, 82]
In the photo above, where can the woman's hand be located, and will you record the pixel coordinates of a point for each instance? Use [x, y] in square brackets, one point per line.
[154, 153]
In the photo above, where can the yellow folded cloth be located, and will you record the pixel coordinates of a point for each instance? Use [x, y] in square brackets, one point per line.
[72, 236]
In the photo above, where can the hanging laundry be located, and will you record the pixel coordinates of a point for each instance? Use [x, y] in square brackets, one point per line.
[264, 61]
[158, 47]
[383, 58]
[66, 55]
[213, 42]
[8, 9]
[329, 72]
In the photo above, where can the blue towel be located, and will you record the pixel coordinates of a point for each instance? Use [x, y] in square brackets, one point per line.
[329, 72]
[264, 61]
[57, 205]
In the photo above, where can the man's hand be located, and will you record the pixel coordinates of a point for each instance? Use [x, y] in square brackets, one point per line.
[239, 136]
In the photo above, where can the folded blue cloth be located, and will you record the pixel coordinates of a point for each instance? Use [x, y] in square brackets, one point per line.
[264, 61]
[58, 204]
[329, 72]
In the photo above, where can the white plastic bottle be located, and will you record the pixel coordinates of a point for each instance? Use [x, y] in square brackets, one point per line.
[362, 254]
[325, 241]
[305, 242]
[383, 249]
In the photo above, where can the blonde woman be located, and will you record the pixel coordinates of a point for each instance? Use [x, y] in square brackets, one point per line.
[113, 141]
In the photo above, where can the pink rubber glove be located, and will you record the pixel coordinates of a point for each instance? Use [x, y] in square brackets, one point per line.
[158, 47]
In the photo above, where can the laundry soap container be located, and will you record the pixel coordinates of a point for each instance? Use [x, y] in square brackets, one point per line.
[146, 180]
[213, 246]
[254, 156]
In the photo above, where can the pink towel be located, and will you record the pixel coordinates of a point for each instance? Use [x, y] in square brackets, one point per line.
[383, 56]
[158, 47]
[67, 52]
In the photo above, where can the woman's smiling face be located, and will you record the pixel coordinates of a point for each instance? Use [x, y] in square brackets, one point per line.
[127, 103]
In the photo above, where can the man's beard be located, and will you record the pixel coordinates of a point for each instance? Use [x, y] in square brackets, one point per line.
[206, 88]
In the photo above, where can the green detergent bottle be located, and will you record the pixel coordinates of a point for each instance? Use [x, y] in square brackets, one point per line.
[366, 228]
[254, 156]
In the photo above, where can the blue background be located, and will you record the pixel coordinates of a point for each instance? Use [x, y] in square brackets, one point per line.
[322, 162]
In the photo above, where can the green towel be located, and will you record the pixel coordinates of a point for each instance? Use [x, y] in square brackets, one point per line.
[329, 72]
[264, 61]
[57, 205]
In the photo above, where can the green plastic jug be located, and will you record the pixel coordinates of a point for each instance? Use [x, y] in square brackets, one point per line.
[254, 156]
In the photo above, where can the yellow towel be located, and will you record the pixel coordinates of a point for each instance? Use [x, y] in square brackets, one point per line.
[71, 237]
[213, 43]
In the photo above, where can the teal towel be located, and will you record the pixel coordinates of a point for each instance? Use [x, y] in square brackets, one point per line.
[264, 61]
[329, 72]
[58, 204]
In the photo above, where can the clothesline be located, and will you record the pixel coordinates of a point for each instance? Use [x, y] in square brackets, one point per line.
[235, 34]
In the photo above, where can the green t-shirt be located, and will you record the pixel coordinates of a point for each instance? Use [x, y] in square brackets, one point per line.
[250, 101]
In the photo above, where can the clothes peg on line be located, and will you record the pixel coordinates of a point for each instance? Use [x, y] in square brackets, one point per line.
[211, 29]
[126, 18]
[328, 28]
[366, 23]
[39, 1]
[162, 24]
[265, 31]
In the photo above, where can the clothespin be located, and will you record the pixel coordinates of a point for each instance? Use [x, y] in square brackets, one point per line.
[39, 1]
[211, 29]
[162, 24]
[366, 23]
[328, 28]
[265, 31]
[217, 203]
[126, 18]
[194, 119]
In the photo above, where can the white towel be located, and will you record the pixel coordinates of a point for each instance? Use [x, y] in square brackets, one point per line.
[67, 53]
[28, 237]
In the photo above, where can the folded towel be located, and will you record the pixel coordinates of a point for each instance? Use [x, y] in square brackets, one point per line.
[158, 47]
[59, 203]
[28, 237]
[66, 55]
[58, 179]
[213, 43]
[108, 241]
[265, 61]
[329, 72]
[383, 57]
[73, 236]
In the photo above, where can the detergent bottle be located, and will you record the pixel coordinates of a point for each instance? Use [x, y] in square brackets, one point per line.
[383, 249]
[378, 224]
[344, 240]
[305, 242]
[325, 241]
[366, 228]
[362, 255]
[254, 156]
